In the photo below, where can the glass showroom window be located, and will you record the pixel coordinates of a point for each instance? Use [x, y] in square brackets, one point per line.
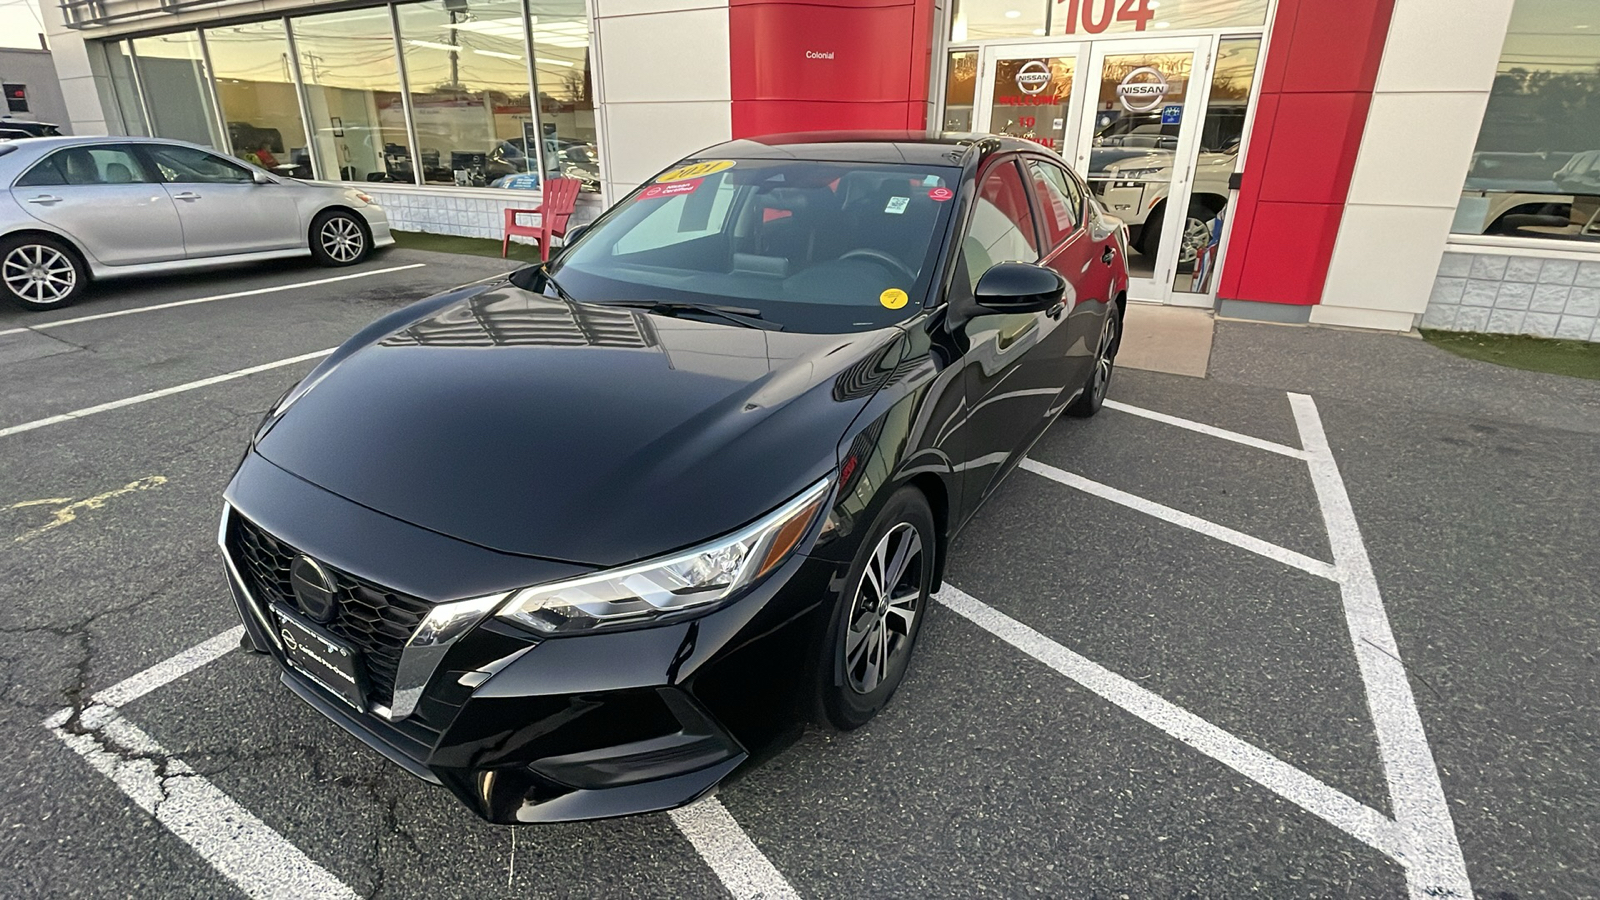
[1536, 169]
[566, 89]
[467, 67]
[120, 66]
[177, 94]
[961, 84]
[255, 86]
[352, 79]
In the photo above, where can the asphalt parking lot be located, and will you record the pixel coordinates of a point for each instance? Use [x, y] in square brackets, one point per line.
[1190, 651]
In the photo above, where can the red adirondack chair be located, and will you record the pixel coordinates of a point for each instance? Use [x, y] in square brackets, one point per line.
[560, 198]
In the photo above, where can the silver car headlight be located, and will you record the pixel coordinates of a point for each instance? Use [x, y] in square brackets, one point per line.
[691, 580]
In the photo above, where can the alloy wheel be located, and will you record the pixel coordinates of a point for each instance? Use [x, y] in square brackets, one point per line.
[1196, 235]
[342, 239]
[1105, 356]
[887, 603]
[39, 274]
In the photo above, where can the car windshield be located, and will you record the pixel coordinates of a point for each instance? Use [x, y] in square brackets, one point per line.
[811, 246]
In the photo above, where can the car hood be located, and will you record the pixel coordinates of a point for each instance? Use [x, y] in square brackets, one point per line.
[576, 432]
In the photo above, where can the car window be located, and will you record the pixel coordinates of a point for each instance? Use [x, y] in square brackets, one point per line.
[1059, 204]
[679, 219]
[814, 246]
[1002, 225]
[186, 165]
[85, 165]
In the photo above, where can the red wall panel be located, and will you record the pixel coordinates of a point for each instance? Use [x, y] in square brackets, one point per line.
[1316, 87]
[829, 64]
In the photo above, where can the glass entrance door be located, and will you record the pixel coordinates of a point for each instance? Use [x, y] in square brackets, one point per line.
[1137, 150]
[1029, 91]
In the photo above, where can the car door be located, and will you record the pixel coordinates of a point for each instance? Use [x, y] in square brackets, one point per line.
[1077, 257]
[1010, 386]
[222, 209]
[102, 197]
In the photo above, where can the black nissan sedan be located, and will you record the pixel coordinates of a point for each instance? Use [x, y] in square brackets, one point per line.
[583, 542]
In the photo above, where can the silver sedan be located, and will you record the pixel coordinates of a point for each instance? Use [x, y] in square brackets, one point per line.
[74, 209]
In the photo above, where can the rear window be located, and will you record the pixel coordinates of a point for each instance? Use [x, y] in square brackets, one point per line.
[813, 246]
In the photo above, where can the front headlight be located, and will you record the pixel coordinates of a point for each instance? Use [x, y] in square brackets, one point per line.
[691, 580]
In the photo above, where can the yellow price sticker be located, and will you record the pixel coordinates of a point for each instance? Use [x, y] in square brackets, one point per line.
[695, 170]
[893, 298]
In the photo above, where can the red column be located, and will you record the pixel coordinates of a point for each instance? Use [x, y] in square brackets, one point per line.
[829, 65]
[1315, 89]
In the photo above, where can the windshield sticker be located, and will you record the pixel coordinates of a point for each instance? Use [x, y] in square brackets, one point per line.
[941, 194]
[695, 170]
[670, 190]
[893, 298]
[897, 205]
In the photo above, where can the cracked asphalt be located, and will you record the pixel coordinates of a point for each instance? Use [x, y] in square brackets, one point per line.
[990, 775]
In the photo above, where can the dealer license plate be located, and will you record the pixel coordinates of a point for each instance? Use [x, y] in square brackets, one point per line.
[324, 659]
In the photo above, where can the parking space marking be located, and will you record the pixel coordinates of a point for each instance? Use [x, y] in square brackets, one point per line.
[1436, 867]
[1211, 430]
[242, 848]
[741, 866]
[1184, 520]
[68, 511]
[164, 392]
[263, 863]
[236, 294]
[1316, 797]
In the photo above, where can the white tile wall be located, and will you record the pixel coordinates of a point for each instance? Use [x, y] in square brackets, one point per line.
[464, 212]
[1516, 295]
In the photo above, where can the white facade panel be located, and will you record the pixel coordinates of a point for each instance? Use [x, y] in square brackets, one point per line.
[1416, 149]
[1435, 46]
[645, 137]
[666, 57]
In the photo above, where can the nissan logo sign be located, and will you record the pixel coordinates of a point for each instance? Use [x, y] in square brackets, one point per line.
[1142, 89]
[1033, 77]
[314, 590]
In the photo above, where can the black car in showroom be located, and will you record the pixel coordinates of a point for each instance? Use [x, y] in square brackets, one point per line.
[582, 542]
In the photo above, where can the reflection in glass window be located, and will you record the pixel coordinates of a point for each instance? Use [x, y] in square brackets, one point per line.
[960, 88]
[256, 89]
[466, 63]
[174, 79]
[1220, 136]
[352, 79]
[974, 20]
[566, 89]
[1536, 168]
[120, 66]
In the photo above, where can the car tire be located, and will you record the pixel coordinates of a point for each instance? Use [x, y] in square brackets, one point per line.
[339, 238]
[1105, 359]
[1150, 234]
[871, 636]
[41, 272]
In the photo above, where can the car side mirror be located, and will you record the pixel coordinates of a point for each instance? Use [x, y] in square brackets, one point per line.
[260, 177]
[1016, 287]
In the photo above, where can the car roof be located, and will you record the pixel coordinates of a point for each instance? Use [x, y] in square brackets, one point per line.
[913, 147]
[77, 139]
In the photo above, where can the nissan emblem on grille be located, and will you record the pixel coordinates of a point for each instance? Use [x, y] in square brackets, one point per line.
[314, 590]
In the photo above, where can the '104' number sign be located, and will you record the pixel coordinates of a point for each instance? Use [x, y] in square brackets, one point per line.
[1097, 15]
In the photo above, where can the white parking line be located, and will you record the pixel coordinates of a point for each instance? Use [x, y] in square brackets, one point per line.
[1435, 868]
[741, 866]
[241, 847]
[1213, 431]
[1185, 520]
[259, 860]
[1327, 803]
[164, 392]
[250, 293]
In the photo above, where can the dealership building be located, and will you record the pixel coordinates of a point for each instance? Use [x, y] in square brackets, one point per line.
[1381, 164]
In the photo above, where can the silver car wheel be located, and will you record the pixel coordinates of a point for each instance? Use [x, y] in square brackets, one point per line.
[342, 239]
[1196, 235]
[886, 605]
[39, 274]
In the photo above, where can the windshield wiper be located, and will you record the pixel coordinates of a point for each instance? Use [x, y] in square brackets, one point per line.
[739, 315]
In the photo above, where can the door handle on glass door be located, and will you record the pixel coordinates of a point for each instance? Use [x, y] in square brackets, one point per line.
[45, 198]
[186, 195]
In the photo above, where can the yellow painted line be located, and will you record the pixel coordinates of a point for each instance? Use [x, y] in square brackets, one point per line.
[69, 511]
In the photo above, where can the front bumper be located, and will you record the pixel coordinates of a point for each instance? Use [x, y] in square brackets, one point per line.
[378, 224]
[524, 729]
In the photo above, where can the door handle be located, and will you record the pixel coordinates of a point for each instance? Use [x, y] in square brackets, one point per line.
[191, 195]
[1108, 256]
[45, 198]
[1054, 312]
